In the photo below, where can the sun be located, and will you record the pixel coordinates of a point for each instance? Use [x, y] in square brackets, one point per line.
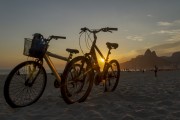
[102, 60]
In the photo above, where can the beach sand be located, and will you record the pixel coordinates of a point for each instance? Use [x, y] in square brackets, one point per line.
[139, 96]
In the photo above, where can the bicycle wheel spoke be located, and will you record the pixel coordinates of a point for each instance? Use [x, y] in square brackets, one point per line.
[23, 85]
[112, 77]
[75, 77]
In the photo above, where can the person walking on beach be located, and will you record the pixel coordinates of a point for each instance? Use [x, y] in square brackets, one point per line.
[155, 70]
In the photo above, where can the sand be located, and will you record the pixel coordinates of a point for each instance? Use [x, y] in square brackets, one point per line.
[139, 96]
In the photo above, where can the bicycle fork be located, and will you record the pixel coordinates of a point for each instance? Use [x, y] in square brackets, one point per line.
[32, 75]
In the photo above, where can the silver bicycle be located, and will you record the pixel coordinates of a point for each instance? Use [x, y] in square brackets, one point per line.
[25, 84]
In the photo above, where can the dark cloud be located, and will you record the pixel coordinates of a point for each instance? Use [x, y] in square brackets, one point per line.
[163, 49]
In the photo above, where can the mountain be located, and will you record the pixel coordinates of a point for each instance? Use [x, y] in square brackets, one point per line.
[150, 59]
[174, 59]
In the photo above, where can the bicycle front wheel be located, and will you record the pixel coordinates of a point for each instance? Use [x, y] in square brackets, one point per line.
[25, 84]
[77, 80]
[112, 76]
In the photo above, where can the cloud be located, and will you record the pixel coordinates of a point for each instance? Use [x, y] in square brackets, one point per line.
[135, 38]
[174, 35]
[167, 48]
[162, 32]
[149, 15]
[170, 32]
[169, 24]
[164, 23]
[176, 22]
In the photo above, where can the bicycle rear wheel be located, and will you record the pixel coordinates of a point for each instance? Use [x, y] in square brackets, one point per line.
[112, 76]
[77, 80]
[25, 84]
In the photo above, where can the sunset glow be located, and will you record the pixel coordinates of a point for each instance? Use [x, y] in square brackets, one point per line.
[102, 60]
[141, 25]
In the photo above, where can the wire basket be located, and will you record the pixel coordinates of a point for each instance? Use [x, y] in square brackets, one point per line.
[34, 48]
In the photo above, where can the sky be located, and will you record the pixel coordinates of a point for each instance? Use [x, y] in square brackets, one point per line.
[141, 24]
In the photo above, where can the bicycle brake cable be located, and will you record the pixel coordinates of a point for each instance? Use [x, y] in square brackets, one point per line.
[87, 38]
[80, 42]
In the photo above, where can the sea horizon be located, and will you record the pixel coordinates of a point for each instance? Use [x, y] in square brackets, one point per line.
[6, 71]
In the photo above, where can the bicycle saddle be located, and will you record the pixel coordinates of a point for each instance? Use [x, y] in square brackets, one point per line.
[112, 45]
[72, 50]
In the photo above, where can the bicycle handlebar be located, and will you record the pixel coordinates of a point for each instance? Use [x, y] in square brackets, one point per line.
[106, 29]
[40, 36]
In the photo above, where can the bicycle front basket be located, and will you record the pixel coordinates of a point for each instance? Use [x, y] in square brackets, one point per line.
[34, 48]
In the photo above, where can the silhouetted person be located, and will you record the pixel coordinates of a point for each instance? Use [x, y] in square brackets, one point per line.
[155, 70]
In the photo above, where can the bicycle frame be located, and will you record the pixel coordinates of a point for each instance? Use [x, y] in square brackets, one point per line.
[51, 65]
[93, 50]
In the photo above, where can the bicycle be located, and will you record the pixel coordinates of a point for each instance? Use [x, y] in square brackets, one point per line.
[72, 88]
[25, 84]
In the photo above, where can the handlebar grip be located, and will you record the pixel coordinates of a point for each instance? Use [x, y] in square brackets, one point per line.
[58, 37]
[61, 37]
[114, 29]
[83, 29]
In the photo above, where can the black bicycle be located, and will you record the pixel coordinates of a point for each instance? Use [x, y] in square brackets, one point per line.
[76, 86]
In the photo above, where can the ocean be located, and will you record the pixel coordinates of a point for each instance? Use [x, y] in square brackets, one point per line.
[5, 71]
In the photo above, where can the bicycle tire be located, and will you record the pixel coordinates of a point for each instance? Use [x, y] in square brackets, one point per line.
[112, 76]
[20, 77]
[72, 77]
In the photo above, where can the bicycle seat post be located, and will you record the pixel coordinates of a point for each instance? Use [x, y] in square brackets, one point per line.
[70, 56]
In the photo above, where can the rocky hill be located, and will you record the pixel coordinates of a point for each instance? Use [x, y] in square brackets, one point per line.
[175, 58]
[150, 59]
